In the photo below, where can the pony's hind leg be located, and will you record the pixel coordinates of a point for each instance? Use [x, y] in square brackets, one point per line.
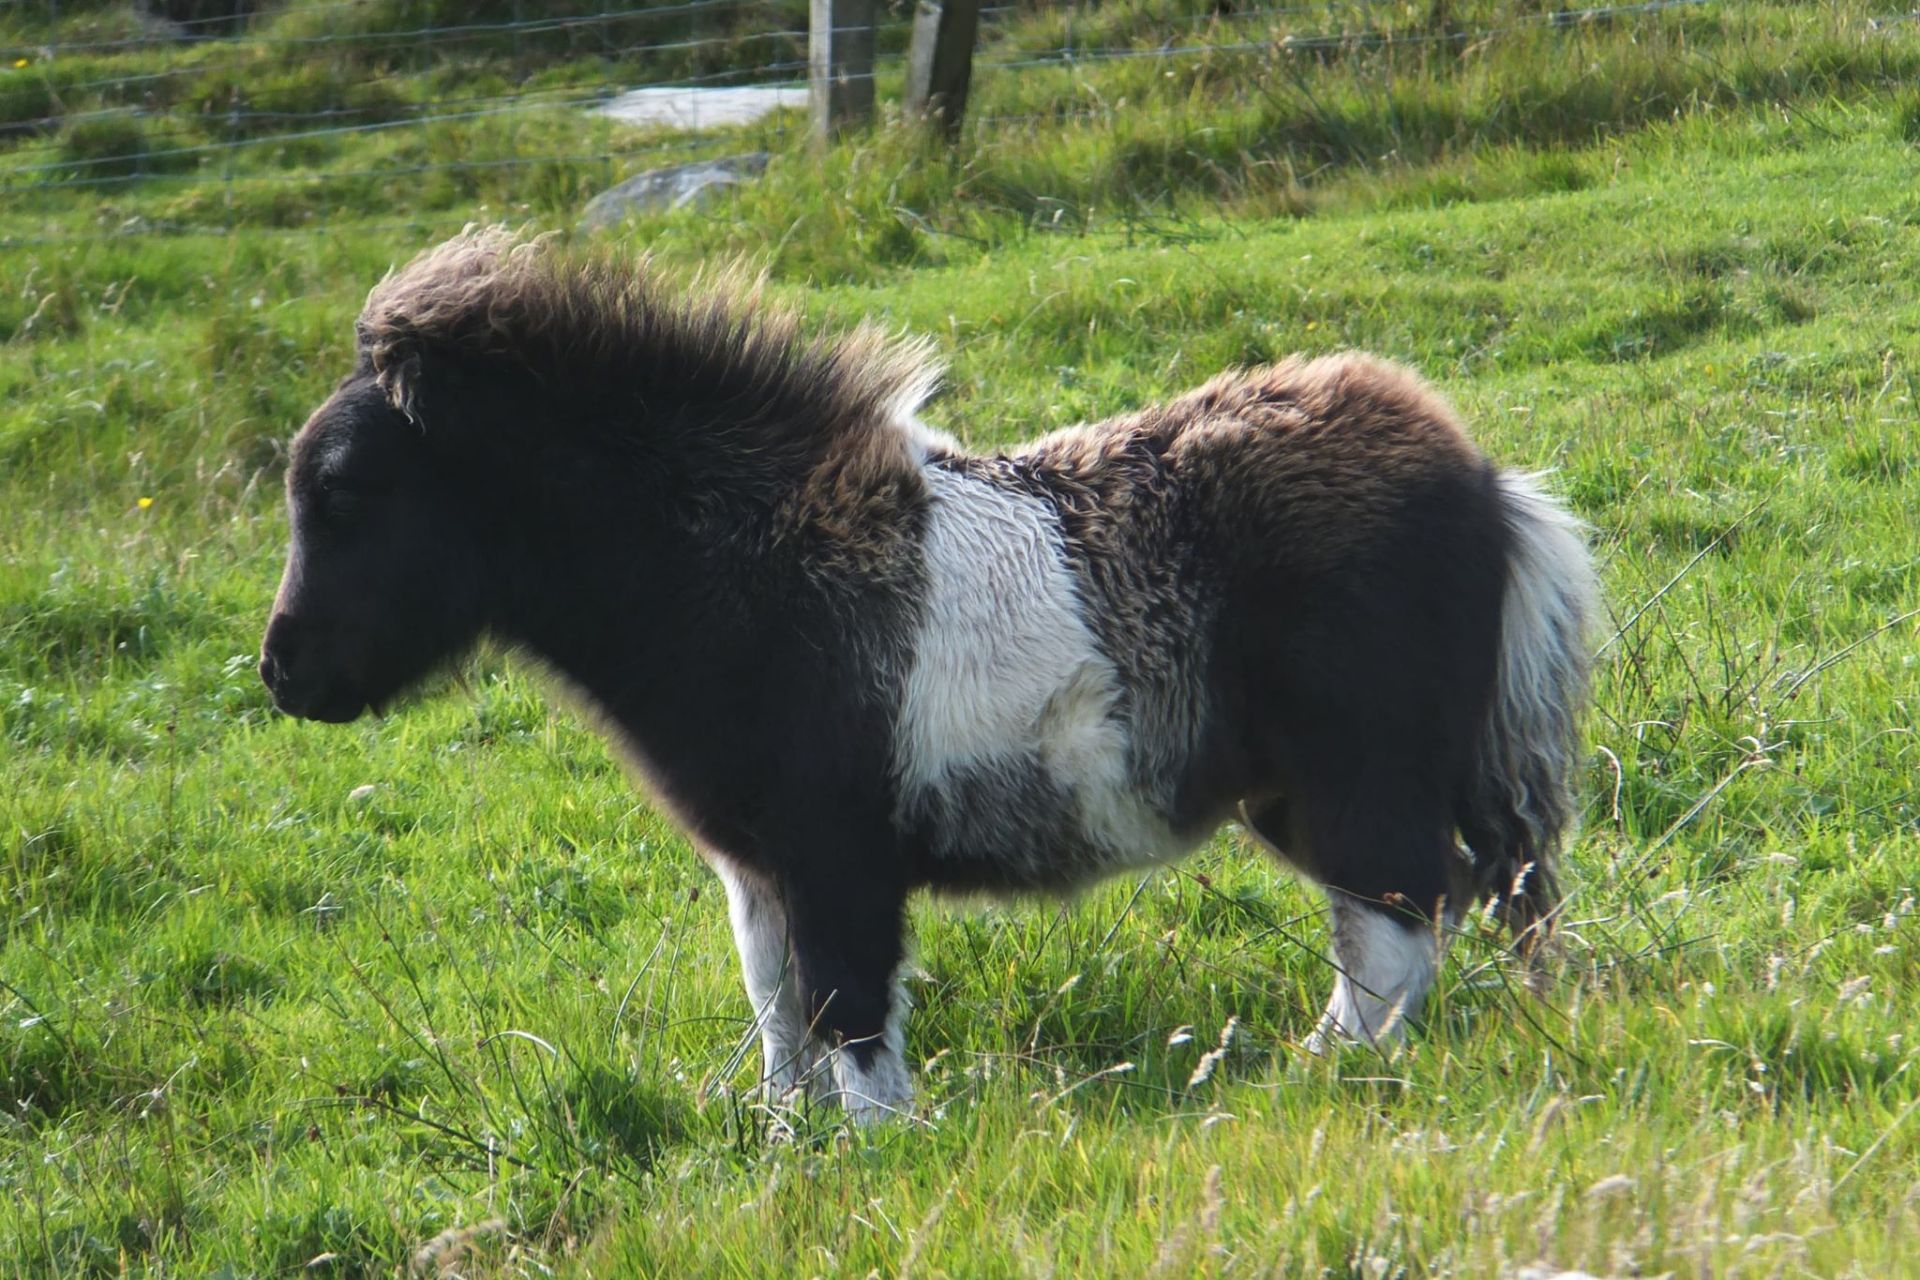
[1385, 959]
[789, 1054]
[1389, 880]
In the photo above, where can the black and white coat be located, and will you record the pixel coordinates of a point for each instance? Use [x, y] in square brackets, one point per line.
[855, 660]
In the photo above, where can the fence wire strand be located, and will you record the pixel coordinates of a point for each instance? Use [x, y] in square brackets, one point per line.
[181, 140]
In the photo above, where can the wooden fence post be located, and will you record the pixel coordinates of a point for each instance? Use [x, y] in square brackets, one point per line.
[940, 61]
[840, 66]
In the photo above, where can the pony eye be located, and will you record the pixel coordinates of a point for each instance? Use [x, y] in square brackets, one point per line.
[341, 503]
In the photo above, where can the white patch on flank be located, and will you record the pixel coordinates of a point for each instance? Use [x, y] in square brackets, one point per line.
[789, 1053]
[1006, 672]
[884, 1087]
[925, 440]
[1383, 971]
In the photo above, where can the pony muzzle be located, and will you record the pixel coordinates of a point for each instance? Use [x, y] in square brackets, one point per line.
[288, 670]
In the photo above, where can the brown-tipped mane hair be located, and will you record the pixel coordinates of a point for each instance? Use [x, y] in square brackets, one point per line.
[489, 294]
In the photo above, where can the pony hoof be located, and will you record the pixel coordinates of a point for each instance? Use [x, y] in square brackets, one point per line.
[864, 1112]
[1325, 1042]
[1330, 1037]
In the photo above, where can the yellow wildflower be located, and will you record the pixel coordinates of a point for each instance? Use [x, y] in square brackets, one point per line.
[145, 503]
[19, 63]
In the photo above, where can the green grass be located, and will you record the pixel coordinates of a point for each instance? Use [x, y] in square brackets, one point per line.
[257, 1020]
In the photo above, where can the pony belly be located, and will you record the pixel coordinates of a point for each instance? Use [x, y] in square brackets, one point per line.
[1056, 801]
[1015, 824]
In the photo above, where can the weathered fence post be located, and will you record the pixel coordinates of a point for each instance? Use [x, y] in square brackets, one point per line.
[840, 65]
[940, 61]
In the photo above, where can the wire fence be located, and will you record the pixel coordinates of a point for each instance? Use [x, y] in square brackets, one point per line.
[208, 117]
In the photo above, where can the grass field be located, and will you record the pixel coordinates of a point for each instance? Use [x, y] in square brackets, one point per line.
[279, 999]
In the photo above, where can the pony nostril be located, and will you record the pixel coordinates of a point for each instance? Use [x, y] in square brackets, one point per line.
[277, 653]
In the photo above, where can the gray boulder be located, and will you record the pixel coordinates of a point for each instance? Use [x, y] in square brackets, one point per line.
[673, 187]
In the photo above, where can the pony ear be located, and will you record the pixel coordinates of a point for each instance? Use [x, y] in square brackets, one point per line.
[397, 357]
[437, 387]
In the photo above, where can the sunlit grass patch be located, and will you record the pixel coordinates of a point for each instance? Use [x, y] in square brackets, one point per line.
[281, 998]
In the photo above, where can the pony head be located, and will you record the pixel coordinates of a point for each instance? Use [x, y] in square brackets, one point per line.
[384, 571]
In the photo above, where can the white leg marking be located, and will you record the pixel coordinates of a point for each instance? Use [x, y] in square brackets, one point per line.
[1385, 968]
[788, 1053]
[884, 1086]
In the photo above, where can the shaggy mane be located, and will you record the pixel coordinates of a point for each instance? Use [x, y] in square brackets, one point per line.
[488, 292]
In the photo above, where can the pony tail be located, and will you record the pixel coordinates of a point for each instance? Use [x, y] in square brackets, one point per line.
[1521, 801]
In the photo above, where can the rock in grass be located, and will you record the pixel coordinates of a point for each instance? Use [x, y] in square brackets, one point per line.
[673, 187]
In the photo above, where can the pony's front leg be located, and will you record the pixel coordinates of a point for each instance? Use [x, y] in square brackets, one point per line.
[847, 942]
[790, 1057]
[870, 1076]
